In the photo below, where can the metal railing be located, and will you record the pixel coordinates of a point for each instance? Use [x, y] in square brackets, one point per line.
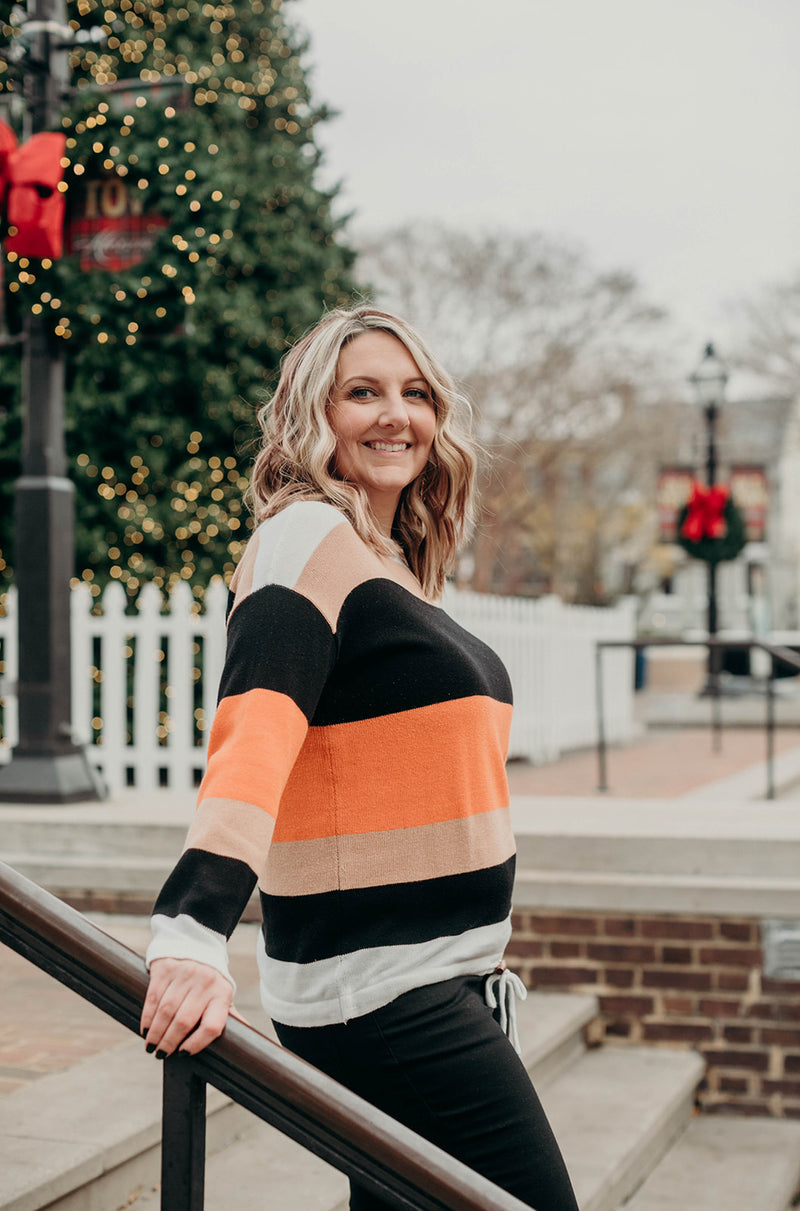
[716, 648]
[347, 1132]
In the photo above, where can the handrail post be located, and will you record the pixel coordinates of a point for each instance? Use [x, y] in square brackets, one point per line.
[602, 782]
[183, 1137]
[771, 729]
[716, 713]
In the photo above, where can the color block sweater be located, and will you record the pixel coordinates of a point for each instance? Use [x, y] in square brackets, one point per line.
[356, 772]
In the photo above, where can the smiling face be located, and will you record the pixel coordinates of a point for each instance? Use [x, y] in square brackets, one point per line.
[384, 419]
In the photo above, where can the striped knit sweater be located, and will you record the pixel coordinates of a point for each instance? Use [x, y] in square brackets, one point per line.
[356, 772]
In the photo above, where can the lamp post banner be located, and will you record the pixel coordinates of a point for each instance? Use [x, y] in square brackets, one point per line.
[108, 229]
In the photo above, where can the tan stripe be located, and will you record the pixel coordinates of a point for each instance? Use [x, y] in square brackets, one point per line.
[340, 563]
[403, 855]
[232, 829]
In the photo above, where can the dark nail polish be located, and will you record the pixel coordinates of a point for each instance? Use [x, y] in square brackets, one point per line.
[150, 1048]
[161, 1055]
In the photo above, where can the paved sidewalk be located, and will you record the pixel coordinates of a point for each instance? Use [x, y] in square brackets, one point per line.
[45, 1027]
[661, 765]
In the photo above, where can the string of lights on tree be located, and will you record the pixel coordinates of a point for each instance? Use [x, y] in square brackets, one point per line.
[168, 359]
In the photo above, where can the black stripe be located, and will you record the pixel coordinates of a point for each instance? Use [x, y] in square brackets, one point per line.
[278, 640]
[397, 653]
[301, 929]
[208, 887]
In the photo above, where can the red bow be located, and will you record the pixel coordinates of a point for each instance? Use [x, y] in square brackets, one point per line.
[704, 513]
[8, 143]
[30, 174]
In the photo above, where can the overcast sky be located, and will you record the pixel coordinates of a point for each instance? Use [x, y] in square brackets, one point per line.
[659, 135]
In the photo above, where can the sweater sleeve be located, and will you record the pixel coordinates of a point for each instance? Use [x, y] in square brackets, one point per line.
[280, 650]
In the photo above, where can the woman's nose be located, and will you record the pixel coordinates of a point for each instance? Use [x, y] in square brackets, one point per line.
[394, 411]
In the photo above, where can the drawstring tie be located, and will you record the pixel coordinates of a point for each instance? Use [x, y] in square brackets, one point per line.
[501, 990]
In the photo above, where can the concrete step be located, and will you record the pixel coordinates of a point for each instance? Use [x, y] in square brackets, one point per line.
[625, 1118]
[640, 836]
[552, 1028]
[634, 855]
[111, 884]
[78, 872]
[30, 832]
[88, 1139]
[603, 889]
[615, 1113]
[123, 848]
[262, 1168]
[735, 1164]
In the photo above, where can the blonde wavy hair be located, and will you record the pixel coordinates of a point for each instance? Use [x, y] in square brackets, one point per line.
[296, 459]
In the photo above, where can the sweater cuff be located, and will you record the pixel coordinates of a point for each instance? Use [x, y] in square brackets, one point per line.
[182, 937]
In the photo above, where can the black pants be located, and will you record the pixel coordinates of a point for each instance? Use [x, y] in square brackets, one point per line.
[436, 1060]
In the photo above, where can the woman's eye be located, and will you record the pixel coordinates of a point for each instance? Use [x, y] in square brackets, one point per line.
[360, 392]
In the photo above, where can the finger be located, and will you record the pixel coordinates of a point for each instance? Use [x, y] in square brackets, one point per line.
[163, 973]
[210, 1027]
[180, 1013]
[155, 991]
[181, 994]
[200, 1013]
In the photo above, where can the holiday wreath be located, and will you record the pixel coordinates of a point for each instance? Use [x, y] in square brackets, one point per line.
[710, 526]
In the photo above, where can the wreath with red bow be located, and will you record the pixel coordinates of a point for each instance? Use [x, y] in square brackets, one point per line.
[710, 526]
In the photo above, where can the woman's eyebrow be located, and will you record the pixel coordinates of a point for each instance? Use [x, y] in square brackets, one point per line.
[367, 378]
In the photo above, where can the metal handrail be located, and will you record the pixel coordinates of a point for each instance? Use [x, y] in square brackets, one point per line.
[715, 646]
[347, 1132]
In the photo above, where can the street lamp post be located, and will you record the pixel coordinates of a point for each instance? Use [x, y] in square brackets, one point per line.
[708, 381]
[46, 764]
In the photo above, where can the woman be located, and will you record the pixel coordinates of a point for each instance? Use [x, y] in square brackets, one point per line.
[356, 770]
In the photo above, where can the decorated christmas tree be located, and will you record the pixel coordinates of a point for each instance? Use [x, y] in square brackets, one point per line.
[198, 245]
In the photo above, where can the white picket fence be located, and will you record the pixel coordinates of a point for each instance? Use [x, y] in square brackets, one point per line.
[144, 685]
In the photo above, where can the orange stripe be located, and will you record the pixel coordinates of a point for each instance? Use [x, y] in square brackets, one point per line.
[416, 767]
[254, 741]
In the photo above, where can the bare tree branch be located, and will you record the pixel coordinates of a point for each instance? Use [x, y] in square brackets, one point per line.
[553, 355]
[770, 342]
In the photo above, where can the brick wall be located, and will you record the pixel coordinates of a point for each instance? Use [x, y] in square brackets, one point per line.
[677, 981]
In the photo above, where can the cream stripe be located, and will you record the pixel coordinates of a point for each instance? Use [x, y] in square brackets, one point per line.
[182, 937]
[287, 541]
[374, 859]
[232, 829]
[347, 986]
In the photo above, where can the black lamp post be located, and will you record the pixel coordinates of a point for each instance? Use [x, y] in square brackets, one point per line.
[708, 381]
[46, 765]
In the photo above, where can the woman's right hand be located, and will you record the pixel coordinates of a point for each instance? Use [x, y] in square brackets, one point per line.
[186, 1007]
